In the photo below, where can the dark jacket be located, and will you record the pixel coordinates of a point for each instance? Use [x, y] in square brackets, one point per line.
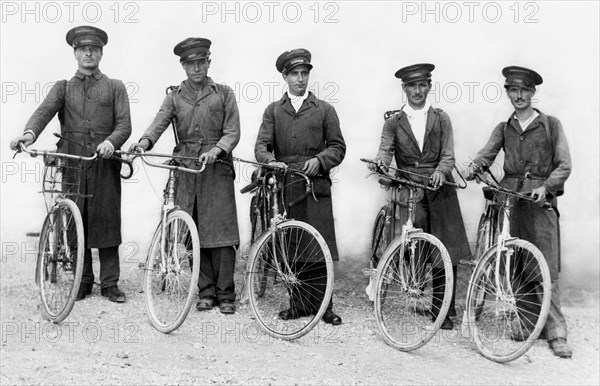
[532, 158]
[91, 109]
[204, 121]
[398, 140]
[294, 138]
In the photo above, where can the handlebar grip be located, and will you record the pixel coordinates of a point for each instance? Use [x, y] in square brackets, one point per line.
[253, 185]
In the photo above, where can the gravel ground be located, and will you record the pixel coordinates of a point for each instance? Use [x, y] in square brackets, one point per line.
[107, 343]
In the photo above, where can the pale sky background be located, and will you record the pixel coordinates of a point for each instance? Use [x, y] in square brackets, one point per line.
[357, 46]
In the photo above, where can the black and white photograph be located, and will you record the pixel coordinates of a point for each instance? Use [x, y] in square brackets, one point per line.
[300, 192]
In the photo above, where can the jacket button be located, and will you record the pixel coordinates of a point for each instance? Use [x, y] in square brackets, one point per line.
[197, 128]
[521, 138]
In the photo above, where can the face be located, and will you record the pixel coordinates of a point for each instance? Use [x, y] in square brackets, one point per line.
[520, 97]
[197, 70]
[88, 57]
[417, 92]
[297, 79]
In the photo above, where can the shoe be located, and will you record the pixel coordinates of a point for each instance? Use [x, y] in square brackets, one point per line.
[292, 313]
[114, 294]
[520, 336]
[84, 290]
[227, 307]
[560, 348]
[332, 318]
[205, 304]
[447, 324]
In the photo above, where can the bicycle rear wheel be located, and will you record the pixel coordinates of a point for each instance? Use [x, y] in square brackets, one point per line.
[413, 291]
[507, 304]
[60, 260]
[290, 266]
[170, 283]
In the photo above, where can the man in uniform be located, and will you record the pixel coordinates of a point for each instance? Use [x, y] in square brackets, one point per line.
[93, 111]
[303, 132]
[420, 138]
[536, 161]
[208, 127]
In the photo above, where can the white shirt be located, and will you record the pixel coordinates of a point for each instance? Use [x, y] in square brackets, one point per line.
[297, 100]
[528, 121]
[418, 121]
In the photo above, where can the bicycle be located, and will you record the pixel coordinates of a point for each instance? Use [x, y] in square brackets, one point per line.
[59, 264]
[284, 259]
[171, 272]
[413, 278]
[510, 281]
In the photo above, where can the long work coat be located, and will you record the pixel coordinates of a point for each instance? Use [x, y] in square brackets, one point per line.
[91, 109]
[538, 156]
[204, 120]
[398, 140]
[295, 137]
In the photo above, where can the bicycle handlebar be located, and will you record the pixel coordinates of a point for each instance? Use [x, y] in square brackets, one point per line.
[277, 169]
[480, 175]
[127, 162]
[400, 180]
[145, 156]
[35, 153]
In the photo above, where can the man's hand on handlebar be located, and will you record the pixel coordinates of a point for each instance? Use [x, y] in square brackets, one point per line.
[311, 167]
[277, 164]
[105, 149]
[472, 171]
[26, 139]
[379, 165]
[437, 179]
[539, 195]
[210, 156]
[142, 145]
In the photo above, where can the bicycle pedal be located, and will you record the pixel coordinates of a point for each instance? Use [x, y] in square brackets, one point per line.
[369, 271]
[472, 263]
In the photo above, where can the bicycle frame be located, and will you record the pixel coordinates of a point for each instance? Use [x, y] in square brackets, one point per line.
[168, 200]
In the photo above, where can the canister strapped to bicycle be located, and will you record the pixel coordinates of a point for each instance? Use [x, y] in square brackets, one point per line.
[261, 179]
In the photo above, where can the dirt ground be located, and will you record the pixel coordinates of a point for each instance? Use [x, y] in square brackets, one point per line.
[107, 343]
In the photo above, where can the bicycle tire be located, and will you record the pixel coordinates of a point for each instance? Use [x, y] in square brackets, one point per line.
[60, 261]
[288, 242]
[500, 327]
[380, 237]
[407, 313]
[169, 292]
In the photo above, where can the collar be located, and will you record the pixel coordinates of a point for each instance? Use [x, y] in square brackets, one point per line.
[297, 98]
[410, 112]
[186, 83]
[96, 74]
[310, 98]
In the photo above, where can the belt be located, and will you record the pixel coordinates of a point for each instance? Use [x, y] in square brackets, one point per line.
[526, 176]
[419, 165]
[294, 158]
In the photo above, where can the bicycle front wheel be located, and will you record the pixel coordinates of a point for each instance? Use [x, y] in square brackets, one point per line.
[413, 291]
[508, 300]
[172, 269]
[60, 260]
[290, 267]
